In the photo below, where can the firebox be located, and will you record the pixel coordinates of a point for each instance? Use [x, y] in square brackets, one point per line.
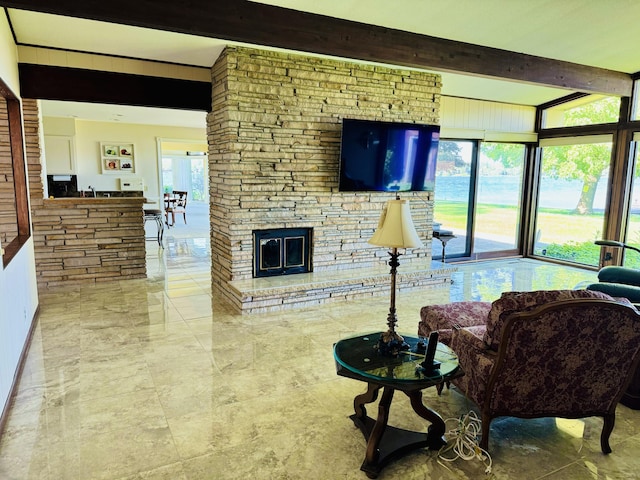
[281, 251]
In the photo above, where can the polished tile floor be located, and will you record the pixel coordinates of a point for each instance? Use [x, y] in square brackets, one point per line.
[155, 379]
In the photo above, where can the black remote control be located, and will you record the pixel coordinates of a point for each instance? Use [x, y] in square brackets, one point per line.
[428, 364]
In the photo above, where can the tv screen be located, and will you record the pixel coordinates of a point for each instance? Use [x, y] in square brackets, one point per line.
[387, 156]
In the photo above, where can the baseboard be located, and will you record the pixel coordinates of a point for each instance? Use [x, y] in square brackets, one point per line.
[18, 373]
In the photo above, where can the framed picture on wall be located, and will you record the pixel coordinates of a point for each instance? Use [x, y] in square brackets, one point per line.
[117, 157]
[110, 150]
[111, 164]
[125, 150]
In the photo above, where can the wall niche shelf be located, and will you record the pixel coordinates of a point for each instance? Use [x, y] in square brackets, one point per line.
[117, 157]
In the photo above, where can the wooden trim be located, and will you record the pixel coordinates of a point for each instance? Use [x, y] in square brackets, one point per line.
[18, 161]
[19, 167]
[579, 131]
[47, 82]
[13, 391]
[560, 101]
[267, 25]
[618, 200]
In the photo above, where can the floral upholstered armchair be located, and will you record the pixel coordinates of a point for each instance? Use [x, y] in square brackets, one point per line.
[557, 353]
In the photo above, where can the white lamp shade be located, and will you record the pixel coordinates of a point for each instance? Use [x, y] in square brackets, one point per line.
[396, 229]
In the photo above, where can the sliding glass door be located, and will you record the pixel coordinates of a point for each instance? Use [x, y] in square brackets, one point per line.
[498, 197]
[455, 178]
[478, 197]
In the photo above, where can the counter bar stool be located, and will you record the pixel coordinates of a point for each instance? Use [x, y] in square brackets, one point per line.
[157, 216]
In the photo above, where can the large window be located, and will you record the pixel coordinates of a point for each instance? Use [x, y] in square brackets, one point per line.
[572, 198]
[478, 197]
[584, 110]
[188, 173]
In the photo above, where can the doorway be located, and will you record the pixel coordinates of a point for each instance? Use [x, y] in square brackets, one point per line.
[183, 166]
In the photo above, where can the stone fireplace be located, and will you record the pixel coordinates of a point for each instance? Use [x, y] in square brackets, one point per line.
[281, 251]
[274, 142]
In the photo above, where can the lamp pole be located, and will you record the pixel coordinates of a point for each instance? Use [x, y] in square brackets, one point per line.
[392, 318]
[391, 343]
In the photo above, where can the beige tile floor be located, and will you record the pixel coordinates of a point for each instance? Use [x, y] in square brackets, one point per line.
[155, 379]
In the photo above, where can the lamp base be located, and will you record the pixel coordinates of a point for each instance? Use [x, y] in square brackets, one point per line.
[390, 344]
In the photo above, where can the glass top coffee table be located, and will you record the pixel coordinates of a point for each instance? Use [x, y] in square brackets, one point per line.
[356, 358]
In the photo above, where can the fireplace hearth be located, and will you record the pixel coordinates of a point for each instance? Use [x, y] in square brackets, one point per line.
[281, 251]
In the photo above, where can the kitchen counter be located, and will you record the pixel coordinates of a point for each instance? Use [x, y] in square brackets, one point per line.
[95, 199]
[89, 239]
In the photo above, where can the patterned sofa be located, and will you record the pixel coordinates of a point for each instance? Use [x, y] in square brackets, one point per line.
[556, 353]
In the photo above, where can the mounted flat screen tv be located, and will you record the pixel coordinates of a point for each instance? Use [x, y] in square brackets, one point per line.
[387, 156]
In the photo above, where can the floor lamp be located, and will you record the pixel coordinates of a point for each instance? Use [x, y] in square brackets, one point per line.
[395, 230]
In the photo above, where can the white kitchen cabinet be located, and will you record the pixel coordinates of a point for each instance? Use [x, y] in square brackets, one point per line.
[60, 154]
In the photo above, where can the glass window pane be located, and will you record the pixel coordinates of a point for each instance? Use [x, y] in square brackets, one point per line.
[498, 196]
[631, 258]
[453, 186]
[588, 110]
[635, 109]
[571, 201]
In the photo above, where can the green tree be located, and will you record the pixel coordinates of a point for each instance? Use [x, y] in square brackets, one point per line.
[450, 151]
[585, 162]
[509, 154]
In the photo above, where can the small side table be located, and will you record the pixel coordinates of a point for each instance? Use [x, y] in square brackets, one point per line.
[444, 236]
[356, 358]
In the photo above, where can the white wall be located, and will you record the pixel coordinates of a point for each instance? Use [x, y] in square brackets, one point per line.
[89, 134]
[18, 291]
[489, 121]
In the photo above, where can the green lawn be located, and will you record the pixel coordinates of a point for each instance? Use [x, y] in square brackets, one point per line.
[571, 235]
[561, 225]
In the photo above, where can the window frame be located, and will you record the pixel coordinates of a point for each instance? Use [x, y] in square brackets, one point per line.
[19, 169]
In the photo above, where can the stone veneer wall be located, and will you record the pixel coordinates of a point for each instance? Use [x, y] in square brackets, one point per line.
[79, 240]
[274, 141]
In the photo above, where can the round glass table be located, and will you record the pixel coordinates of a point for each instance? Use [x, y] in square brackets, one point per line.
[358, 359]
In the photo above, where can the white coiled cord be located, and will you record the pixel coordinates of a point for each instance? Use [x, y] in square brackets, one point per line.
[462, 441]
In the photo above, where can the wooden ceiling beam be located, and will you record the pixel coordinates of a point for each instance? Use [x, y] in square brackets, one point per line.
[48, 82]
[266, 25]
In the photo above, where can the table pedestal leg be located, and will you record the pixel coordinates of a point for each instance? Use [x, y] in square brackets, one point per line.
[435, 436]
[369, 396]
[373, 452]
[386, 443]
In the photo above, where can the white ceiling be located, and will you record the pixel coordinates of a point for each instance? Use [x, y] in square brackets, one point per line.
[600, 34]
[124, 114]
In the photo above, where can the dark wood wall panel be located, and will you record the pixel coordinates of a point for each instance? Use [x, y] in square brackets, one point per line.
[73, 84]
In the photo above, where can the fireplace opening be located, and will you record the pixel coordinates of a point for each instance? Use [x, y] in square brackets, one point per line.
[281, 251]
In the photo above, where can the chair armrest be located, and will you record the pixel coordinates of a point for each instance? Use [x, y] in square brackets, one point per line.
[469, 338]
[445, 317]
[475, 359]
[619, 291]
[614, 274]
